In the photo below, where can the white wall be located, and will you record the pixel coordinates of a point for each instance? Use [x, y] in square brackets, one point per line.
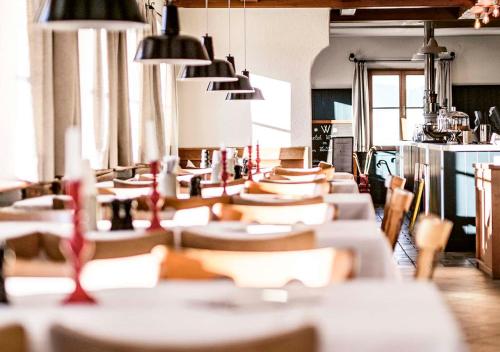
[282, 45]
[477, 60]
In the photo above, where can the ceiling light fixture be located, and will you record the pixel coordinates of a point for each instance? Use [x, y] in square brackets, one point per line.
[257, 93]
[483, 10]
[71, 15]
[217, 71]
[171, 47]
[242, 85]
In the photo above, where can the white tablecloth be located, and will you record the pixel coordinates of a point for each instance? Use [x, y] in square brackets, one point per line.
[373, 253]
[344, 186]
[359, 316]
[352, 206]
[343, 176]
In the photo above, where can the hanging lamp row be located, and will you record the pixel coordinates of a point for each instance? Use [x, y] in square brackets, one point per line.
[169, 47]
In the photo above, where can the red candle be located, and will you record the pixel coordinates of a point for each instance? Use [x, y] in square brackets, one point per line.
[224, 175]
[154, 199]
[75, 247]
[250, 178]
[257, 159]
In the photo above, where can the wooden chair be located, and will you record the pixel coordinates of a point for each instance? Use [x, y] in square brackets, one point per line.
[26, 246]
[182, 203]
[298, 240]
[400, 204]
[276, 214]
[108, 264]
[431, 236]
[302, 172]
[131, 184]
[391, 183]
[295, 180]
[13, 338]
[303, 189]
[107, 249]
[303, 339]
[258, 199]
[313, 268]
[105, 175]
[282, 156]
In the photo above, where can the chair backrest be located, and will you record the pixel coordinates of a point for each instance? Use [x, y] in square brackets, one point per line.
[26, 246]
[431, 235]
[303, 189]
[302, 339]
[392, 182]
[276, 214]
[283, 156]
[297, 240]
[313, 268]
[328, 172]
[105, 175]
[131, 184]
[258, 199]
[399, 205]
[13, 338]
[295, 180]
[106, 249]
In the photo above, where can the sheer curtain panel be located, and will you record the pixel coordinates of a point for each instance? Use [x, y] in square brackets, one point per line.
[360, 109]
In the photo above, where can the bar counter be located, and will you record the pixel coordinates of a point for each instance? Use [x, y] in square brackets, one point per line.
[448, 174]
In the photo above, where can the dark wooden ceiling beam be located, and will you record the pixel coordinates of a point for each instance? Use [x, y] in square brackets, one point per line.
[420, 14]
[334, 4]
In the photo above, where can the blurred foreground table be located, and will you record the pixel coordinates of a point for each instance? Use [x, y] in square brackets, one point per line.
[359, 316]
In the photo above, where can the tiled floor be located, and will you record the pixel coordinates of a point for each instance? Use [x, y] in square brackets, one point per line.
[472, 296]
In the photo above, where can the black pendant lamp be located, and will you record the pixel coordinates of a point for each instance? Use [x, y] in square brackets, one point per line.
[242, 85]
[170, 47]
[71, 15]
[217, 71]
[257, 93]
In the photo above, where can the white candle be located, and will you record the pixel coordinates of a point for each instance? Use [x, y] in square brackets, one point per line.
[152, 150]
[73, 154]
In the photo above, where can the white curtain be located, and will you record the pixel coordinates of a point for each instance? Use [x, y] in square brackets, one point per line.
[360, 109]
[105, 96]
[151, 107]
[158, 95]
[443, 83]
[171, 109]
[55, 92]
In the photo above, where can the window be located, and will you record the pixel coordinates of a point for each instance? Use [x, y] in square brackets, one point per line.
[396, 101]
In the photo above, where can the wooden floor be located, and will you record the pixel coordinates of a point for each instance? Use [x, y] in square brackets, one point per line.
[472, 296]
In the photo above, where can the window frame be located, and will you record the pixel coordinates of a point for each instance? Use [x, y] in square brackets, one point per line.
[402, 73]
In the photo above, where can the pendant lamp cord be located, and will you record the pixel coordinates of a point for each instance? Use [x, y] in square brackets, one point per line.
[245, 30]
[229, 23]
[206, 15]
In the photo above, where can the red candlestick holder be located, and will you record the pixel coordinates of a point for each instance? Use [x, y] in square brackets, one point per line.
[250, 165]
[76, 249]
[154, 198]
[224, 175]
[257, 159]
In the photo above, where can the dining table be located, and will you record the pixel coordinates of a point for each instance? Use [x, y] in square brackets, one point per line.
[355, 316]
[358, 206]
[344, 186]
[373, 253]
